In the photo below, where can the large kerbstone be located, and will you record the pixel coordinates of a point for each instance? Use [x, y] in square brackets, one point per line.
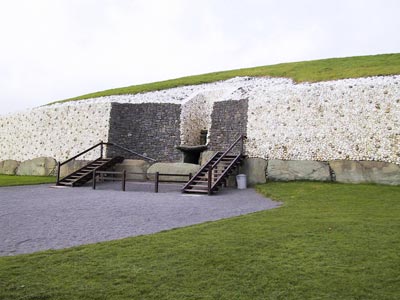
[348, 171]
[287, 170]
[255, 169]
[133, 166]
[172, 168]
[205, 156]
[72, 166]
[42, 166]
[9, 167]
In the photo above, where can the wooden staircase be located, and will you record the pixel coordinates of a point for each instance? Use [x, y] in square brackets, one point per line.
[83, 175]
[214, 174]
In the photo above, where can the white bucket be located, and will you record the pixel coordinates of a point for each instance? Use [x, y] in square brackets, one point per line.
[241, 180]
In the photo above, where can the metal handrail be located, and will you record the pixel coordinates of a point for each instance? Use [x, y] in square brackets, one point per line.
[225, 171]
[240, 138]
[131, 151]
[199, 171]
[59, 164]
[210, 185]
[101, 144]
[81, 153]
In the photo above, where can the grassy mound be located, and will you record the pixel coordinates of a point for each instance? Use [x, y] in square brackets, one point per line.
[310, 71]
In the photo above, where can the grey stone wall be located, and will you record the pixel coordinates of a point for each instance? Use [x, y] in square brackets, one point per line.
[151, 129]
[228, 121]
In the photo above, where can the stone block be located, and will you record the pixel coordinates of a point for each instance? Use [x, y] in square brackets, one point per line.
[9, 167]
[172, 168]
[255, 169]
[288, 170]
[72, 166]
[205, 156]
[348, 171]
[41, 166]
[133, 166]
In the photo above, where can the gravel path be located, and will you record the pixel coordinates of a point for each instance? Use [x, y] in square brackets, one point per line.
[34, 218]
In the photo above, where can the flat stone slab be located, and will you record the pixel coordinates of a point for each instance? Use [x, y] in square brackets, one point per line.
[72, 166]
[133, 166]
[41, 166]
[348, 171]
[288, 170]
[34, 218]
[255, 169]
[172, 168]
[9, 167]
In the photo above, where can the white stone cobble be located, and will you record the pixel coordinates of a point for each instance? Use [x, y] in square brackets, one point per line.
[355, 119]
[58, 131]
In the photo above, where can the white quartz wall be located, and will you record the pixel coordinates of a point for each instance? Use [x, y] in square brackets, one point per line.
[355, 119]
[196, 115]
[58, 131]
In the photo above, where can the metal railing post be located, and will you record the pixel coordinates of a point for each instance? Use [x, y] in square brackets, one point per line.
[156, 179]
[94, 179]
[123, 180]
[209, 180]
[58, 173]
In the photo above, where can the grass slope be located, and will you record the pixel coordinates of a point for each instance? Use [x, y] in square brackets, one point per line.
[328, 241]
[11, 180]
[311, 71]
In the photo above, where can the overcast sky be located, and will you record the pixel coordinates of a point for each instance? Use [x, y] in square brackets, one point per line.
[57, 49]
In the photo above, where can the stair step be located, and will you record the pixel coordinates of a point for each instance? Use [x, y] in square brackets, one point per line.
[65, 183]
[69, 180]
[198, 186]
[220, 173]
[85, 174]
[195, 191]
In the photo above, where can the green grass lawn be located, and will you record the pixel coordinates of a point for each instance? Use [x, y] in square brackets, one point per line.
[327, 241]
[311, 71]
[10, 180]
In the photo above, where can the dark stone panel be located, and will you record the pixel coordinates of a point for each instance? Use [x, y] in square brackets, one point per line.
[228, 121]
[152, 129]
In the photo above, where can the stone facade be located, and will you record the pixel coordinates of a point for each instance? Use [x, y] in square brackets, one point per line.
[150, 129]
[352, 119]
[228, 121]
[196, 116]
[59, 131]
[336, 121]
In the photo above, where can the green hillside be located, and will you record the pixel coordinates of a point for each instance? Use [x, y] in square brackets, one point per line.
[310, 71]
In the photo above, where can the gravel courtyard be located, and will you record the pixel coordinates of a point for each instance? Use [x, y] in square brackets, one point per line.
[34, 218]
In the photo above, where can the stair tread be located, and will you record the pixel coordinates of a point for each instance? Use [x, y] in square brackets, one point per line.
[198, 187]
[83, 175]
[65, 183]
[222, 170]
[195, 191]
